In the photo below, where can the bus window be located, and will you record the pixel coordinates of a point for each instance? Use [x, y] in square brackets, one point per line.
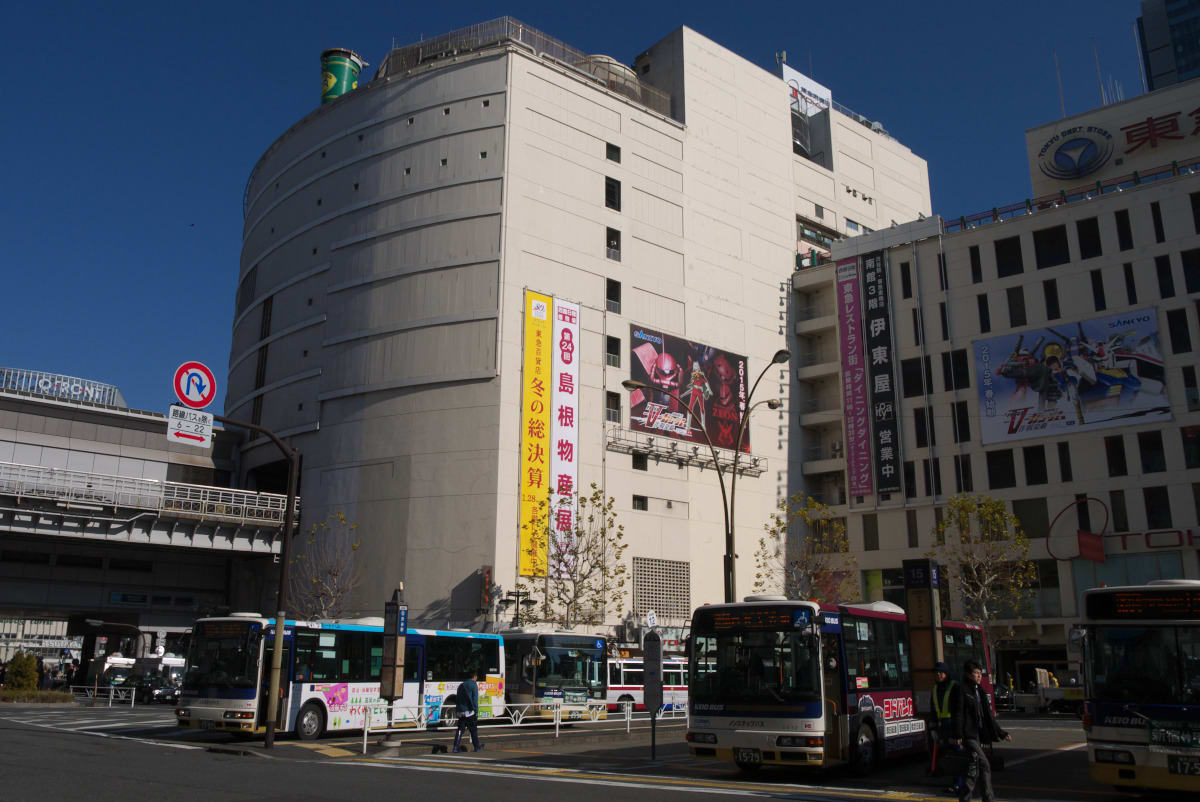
[614, 673]
[632, 676]
[673, 676]
[449, 658]
[316, 657]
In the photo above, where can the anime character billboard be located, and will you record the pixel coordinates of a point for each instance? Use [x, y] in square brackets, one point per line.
[710, 382]
[1073, 377]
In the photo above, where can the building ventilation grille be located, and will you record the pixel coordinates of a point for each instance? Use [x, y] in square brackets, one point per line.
[664, 586]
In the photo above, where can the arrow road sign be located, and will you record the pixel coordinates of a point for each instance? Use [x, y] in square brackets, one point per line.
[194, 385]
[189, 426]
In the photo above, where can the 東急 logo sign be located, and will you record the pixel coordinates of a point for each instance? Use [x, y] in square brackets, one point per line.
[1075, 152]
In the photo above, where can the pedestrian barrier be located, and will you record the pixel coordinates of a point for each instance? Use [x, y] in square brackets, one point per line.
[107, 695]
[416, 719]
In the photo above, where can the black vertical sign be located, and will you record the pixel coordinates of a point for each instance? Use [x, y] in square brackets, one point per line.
[881, 376]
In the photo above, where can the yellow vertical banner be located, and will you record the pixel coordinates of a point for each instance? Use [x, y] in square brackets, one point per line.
[534, 487]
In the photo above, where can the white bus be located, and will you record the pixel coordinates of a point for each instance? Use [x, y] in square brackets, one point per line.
[330, 674]
[626, 684]
[556, 670]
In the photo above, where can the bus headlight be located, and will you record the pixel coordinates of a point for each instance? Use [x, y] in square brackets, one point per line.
[800, 740]
[238, 714]
[1114, 756]
[702, 737]
[183, 712]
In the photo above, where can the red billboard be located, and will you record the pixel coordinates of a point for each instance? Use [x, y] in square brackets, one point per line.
[695, 386]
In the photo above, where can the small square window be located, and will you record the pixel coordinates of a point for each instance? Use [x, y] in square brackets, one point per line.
[310, 301]
[304, 352]
[300, 407]
[641, 461]
[612, 152]
[483, 154]
[314, 253]
[408, 171]
[360, 137]
[443, 162]
[322, 154]
[486, 103]
[410, 120]
[356, 186]
[641, 503]
[446, 111]
[612, 193]
[318, 201]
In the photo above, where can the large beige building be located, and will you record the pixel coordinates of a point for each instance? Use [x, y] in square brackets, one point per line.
[1043, 353]
[391, 237]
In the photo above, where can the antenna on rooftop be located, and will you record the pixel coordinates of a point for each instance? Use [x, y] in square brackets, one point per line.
[781, 58]
[1137, 46]
[1062, 103]
[1104, 101]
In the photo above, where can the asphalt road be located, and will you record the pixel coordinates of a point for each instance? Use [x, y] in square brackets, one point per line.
[123, 754]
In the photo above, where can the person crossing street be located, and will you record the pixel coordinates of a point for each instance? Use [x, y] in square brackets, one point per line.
[974, 725]
[466, 710]
[945, 732]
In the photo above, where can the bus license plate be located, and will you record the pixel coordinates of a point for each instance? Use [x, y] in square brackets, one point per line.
[749, 756]
[205, 724]
[574, 715]
[1183, 765]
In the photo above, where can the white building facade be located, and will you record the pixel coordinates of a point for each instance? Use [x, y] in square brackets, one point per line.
[1042, 353]
[395, 237]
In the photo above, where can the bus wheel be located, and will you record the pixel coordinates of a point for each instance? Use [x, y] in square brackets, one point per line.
[310, 724]
[866, 752]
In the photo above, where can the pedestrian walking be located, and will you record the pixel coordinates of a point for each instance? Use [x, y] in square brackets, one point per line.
[974, 725]
[944, 729]
[466, 709]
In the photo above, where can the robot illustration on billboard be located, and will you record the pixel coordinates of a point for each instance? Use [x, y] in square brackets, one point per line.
[1092, 374]
[697, 388]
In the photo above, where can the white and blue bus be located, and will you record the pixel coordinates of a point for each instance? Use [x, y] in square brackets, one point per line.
[557, 671]
[330, 674]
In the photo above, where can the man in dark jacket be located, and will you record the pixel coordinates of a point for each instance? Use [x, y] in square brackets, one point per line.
[974, 725]
[466, 709]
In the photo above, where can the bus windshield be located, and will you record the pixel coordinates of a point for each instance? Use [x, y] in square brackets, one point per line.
[1145, 664]
[565, 667]
[223, 654]
[755, 667]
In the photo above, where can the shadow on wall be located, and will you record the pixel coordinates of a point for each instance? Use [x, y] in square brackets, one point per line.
[460, 609]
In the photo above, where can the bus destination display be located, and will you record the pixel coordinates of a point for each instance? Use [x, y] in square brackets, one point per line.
[1145, 604]
[771, 619]
[225, 629]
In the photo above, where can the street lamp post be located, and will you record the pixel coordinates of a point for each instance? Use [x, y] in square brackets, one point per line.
[520, 600]
[727, 500]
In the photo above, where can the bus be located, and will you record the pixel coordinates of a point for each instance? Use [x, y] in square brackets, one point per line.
[1141, 658]
[626, 684]
[556, 670]
[329, 679]
[797, 683]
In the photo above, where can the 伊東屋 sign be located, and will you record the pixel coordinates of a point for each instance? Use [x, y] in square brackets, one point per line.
[881, 376]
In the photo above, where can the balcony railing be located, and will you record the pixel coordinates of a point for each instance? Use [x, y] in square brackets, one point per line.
[818, 356]
[811, 405]
[814, 311]
[82, 490]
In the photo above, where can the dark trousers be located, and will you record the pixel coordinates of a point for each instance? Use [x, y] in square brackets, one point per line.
[979, 775]
[467, 723]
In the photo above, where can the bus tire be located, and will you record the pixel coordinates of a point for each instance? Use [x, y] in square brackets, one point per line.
[310, 723]
[866, 751]
[448, 710]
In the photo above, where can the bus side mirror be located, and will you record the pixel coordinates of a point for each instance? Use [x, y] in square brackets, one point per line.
[1076, 635]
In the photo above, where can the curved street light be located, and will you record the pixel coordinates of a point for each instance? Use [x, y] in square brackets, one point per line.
[727, 500]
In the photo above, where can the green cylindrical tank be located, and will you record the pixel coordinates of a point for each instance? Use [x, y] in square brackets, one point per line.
[339, 72]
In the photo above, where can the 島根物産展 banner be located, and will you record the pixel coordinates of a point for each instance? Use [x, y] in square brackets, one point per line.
[710, 382]
[1071, 377]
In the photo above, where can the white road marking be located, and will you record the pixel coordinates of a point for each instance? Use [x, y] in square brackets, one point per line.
[1039, 756]
[92, 734]
[138, 724]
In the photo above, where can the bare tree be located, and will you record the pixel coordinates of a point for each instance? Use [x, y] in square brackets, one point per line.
[805, 553]
[985, 553]
[325, 572]
[585, 573]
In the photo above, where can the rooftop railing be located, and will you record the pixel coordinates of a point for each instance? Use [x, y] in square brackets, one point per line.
[617, 77]
[84, 490]
[1065, 196]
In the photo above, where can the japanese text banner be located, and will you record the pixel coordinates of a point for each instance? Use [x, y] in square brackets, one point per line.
[881, 374]
[564, 427]
[854, 379]
[534, 480]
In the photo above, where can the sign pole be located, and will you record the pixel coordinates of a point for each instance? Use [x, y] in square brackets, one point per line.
[652, 687]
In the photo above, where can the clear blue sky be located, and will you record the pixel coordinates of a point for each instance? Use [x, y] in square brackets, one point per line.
[128, 131]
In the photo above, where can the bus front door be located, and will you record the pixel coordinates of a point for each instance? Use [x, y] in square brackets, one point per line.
[285, 685]
[835, 695]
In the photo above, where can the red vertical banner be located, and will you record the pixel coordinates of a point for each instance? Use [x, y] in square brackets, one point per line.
[564, 430]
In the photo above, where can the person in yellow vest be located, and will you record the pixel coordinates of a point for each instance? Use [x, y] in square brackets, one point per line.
[941, 713]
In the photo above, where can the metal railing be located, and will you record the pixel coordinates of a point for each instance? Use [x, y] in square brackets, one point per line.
[817, 356]
[814, 311]
[616, 77]
[818, 405]
[106, 695]
[416, 719]
[84, 490]
[1084, 193]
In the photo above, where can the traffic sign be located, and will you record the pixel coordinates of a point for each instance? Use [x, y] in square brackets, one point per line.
[651, 619]
[194, 385]
[192, 427]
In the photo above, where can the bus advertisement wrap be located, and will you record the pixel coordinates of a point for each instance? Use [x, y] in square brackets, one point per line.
[1072, 377]
[710, 382]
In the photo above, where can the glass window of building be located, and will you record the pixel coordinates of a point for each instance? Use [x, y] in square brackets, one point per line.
[905, 280]
[1191, 446]
[612, 193]
[1064, 461]
[1098, 291]
[1050, 247]
[1035, 465]
[1016, 307]
[1002, 472]
[1190, 260]
[1166, 283]
[1150, 444]
[1008, 257]
[1124, 230]
[1034, 515]
[963, 481]
[1158, 507]
[976, 265]
[1177, 327]
[1089, 238]
[1050, 291]
[1120, 514]
[1157, 218]
[1114, 450]
[1130, 284]
[985, 315]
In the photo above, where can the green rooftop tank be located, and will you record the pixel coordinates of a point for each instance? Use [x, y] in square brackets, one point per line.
[339, 72]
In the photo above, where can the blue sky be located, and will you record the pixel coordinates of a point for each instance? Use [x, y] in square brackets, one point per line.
[129, 130]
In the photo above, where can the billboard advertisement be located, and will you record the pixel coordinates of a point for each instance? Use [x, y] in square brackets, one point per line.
[808, 96]
[881, 375]
[534, 479]
[710, 382]
[854, 379]
[1091, 374]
